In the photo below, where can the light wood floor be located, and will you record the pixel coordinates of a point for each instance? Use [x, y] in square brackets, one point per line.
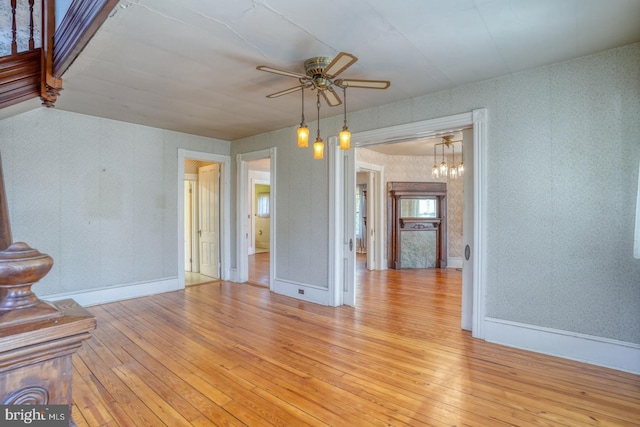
[259, 269]
[236, 354]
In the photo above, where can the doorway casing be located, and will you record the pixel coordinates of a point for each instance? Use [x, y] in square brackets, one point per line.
[343, 170]
[242, 183]
[225, 209]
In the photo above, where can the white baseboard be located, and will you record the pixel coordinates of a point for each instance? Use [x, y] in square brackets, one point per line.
[233, 275]
[609, 353]
[454, 262]
[310, 293]
[118, 293]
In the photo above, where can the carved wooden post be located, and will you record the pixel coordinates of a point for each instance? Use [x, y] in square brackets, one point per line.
[37, 338]
[50, 86]
[5, 227]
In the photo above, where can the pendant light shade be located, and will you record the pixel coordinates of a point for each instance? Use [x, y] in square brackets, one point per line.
[303, 136]
[345, 139]
[444, 168]
[303, 130]
[318, 146]
[318, 149]
[345, 135]
[435, 170]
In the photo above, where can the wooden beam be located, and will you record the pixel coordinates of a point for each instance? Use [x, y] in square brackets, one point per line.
[79, 25]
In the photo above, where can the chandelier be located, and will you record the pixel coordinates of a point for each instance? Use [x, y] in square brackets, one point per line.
[444, 170]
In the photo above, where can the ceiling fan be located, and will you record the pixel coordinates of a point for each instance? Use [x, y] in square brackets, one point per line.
[321, 73]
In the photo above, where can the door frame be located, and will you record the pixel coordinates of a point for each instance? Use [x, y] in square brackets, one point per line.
[376, 203]
[225, 209]
[193, 210]
[242, 201]
[478, 120]
[251, 244]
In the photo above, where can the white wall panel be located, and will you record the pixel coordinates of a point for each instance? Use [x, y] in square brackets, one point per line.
[97, 195]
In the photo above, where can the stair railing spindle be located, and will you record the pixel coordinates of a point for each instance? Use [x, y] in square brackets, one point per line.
[31, 41]
[14, 44]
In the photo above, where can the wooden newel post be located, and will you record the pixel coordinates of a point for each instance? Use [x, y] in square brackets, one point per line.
[37, 338]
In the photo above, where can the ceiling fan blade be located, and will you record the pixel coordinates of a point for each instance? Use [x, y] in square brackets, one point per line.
[340, 63]
[331, 97]
[281, 72]
[366, 84]
[286, 91]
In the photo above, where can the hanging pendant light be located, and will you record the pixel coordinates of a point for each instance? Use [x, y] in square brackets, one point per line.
[461, 165]
[435, 171]
[345, 135]
[303, 130]
[318, 146]
[453, 170]
[443, 165]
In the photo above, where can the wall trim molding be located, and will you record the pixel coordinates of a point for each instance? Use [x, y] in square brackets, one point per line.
[312, 293]
[225, 208]
[454, 262]
[614, 354]
[474, 309]
[119, 292]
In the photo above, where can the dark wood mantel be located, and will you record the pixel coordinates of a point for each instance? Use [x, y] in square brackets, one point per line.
[399, 225]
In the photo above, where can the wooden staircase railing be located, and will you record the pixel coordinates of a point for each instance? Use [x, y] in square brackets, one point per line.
[37, 71]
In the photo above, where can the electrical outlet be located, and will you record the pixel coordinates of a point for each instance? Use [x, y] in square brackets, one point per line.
[301, 291]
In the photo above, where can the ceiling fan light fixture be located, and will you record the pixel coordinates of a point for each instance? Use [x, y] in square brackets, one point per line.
[345, 135]
[303, 130]
[303, 136]
[318, 149]
[345, 139]
[321, 75]
[318, 146]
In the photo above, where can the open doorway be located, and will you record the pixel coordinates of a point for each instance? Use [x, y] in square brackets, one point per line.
[474, 265]
[201, 222]
[259, 224]
[256, 216]
[203, 217]
[370, 210]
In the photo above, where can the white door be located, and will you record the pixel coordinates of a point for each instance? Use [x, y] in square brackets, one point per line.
[187, 226]
[371, 221]
[208, 184]
[467, 231]
[349, 235]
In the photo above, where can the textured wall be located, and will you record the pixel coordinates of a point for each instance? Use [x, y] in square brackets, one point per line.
[563, 151]
[302, 248]
[99, 196]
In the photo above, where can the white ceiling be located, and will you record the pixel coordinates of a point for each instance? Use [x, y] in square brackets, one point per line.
[190, 65]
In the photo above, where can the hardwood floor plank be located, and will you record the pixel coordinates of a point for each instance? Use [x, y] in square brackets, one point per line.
[235, 354]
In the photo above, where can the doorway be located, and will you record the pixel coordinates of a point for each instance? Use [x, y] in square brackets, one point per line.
[256, 217]
[259, 224]
[473, 298]
[201, 221]
[203, 217]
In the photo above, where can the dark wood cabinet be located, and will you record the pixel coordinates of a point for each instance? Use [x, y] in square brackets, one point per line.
[417, 225]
